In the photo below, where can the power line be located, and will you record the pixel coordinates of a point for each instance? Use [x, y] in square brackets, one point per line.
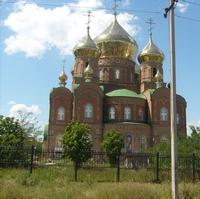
[188, 18]
[81, 7]
[111, 9]
[191, 2]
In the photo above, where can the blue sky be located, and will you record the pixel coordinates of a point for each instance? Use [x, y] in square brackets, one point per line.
[36, 35]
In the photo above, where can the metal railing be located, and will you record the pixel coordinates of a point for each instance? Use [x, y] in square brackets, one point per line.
[159, 164]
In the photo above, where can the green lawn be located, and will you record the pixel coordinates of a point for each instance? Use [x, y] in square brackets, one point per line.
[58, 183]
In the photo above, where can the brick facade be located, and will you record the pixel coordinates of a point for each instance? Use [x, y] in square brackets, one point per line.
[140, 110]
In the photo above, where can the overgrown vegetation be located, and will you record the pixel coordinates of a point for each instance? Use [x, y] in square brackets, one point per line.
[51, 183]
[186, 145]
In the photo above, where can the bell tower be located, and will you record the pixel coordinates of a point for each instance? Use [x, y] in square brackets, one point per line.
[85, 51]
[151, 59]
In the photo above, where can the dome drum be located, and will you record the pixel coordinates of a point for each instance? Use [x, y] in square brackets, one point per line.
[86, 52]
[117, 49]
[151, 58]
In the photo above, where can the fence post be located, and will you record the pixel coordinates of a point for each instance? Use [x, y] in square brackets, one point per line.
[193, 167]
[157, 166]
[75, 170]
[32, 154]
[118, 167]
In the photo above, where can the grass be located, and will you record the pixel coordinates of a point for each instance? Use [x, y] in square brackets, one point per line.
[58, 183]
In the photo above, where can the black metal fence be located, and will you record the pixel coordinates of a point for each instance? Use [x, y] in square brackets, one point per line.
[158, 164]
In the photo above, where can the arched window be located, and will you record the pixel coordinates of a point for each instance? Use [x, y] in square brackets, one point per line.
[88, 111]
[154, 72]
[101, 75]
[177, 118]
[111, 113]
[143, 143]
[141, 114]
[127, 113]
[129, 143]
[117, 74]
[61, 113]
[163, 114]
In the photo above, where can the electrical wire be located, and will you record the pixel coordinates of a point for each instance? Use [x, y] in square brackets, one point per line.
[191, 2]
[81, 7]
[110, 9]
[188, 18]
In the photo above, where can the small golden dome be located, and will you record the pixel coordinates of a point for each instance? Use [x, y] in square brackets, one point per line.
[88, 73]
[63, 78]
[158, 76]
[88, 70]
[116, 42]
[86, 47]
[151, 53]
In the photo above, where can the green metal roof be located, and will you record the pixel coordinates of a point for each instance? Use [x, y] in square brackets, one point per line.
[124, 93]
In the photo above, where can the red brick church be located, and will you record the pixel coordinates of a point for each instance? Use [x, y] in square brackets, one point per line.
[111, 91]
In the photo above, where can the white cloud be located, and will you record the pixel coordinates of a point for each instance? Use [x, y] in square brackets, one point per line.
[11, 102]
[182, 7]
[194, 123]
[16, 108]
[37, 29]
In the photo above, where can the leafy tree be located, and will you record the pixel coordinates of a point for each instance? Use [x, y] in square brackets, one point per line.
[11, 141]
[76, 142]
[31, 127]
[112, 143]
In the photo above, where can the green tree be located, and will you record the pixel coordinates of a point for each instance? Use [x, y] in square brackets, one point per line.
[76, 142]
[31, 127]
[11, 141]
[112, 143]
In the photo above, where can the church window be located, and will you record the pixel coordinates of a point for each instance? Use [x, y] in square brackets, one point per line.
[112, 113]
[163, 114]
[154, 72]
[141, 114]
[88, 112]
[101, 75]
[117, 74]
[129, 143]
[143, 143]
[61, 113]
[127, 113]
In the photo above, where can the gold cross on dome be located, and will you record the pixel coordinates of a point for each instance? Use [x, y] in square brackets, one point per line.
[115, 7]
[151, 23]
[64, 64]
[89, 15]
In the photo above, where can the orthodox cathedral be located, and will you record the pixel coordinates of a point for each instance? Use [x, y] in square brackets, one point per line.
[110, 90]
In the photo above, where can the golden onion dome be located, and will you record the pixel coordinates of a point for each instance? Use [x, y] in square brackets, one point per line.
[63, 78]
[151, 53]
[86, 47]
[158, 76]
[115, 41]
